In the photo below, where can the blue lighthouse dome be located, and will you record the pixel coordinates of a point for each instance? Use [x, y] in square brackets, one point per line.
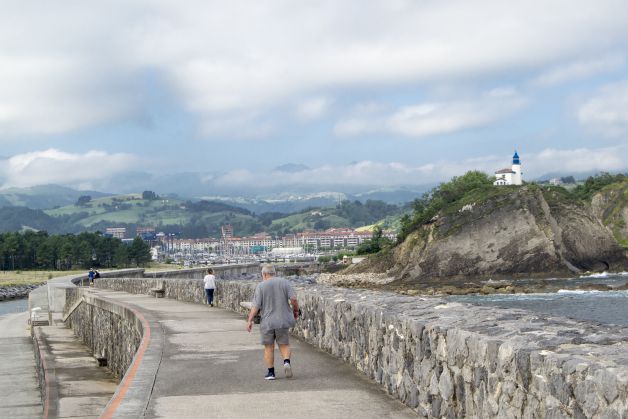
[515, 158]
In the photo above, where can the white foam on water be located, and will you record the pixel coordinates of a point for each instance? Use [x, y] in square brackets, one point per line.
[604, 275]
[578, 291]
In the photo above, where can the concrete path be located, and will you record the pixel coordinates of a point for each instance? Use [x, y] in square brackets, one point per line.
[83, 388]
[19, 389]
[211, 367]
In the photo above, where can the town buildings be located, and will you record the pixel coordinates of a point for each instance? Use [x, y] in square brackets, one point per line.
[116, 232]
[334, 238]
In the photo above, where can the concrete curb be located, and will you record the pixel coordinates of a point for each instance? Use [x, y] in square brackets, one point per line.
[47, 376]
[134, 391]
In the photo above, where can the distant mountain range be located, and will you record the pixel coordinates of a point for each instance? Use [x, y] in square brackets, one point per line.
[188, 218]
[43, 197]
[51, 196]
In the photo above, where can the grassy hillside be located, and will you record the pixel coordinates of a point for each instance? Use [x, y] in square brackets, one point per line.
[346, 214]
[42, 197]
[192, 219]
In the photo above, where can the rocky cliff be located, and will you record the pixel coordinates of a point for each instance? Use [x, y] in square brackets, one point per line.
[611, 206]
[528, 232]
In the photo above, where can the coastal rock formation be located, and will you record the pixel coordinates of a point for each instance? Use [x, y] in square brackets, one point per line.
[529, 232]
[611, 207]
[15, 291]
[354, 280]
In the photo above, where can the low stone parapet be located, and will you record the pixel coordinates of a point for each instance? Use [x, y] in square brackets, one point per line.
[129, 342]
[450, 359]
[111, 330]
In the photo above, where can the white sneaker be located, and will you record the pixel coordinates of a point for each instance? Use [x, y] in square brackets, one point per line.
[287, 369]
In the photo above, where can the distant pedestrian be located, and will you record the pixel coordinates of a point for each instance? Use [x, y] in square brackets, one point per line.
[210, 285]
[90, 276]
[273, 297]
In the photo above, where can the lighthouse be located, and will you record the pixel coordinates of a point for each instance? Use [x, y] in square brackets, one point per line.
[516, 168]
[510, 176]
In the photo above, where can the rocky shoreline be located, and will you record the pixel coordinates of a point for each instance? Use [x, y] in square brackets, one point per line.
[444, 287]
[16, 291]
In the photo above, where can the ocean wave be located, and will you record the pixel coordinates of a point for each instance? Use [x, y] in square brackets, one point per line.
[578, 291]
[605, 275]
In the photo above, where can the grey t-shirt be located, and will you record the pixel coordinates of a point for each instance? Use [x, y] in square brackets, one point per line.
[271, 297]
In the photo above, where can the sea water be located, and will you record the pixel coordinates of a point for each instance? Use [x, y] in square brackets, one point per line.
[13, 306]
[607, 307]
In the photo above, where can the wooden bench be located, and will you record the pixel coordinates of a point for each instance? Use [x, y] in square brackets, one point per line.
[160, 291]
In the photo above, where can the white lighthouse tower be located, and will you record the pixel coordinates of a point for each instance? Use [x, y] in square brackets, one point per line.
[510, 176]
[516, 168]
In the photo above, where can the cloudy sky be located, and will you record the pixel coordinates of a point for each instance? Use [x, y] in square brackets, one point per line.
[368, 93]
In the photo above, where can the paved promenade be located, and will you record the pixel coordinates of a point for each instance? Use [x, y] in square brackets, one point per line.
[211, 367]
[84, 388]
[19, 390]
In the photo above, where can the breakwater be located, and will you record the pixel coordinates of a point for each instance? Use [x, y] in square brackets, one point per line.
[16, 291]
[451, 359]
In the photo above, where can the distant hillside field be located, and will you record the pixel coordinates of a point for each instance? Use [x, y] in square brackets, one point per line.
[352, 214]
[192, 219]
[189, 219]
[42, 197]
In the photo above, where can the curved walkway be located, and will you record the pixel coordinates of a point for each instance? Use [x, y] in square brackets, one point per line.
[19, 395]
[211, 367]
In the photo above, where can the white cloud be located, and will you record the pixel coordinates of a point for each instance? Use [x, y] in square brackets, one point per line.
[607, 110]
[80, 63]
[313, 108]
[579, 160]
[377, 174]
[57, 167]
[431, 118]
[579, 70]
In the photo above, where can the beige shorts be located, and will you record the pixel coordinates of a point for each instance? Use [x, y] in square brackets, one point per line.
[281, 336]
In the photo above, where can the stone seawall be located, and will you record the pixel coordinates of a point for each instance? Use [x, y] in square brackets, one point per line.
[221, 271]
[455, 360]
[177, 284]
[111, 331]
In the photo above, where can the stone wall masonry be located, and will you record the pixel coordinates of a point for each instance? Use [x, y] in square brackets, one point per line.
[182, 285]
[221, 271]
[451, 359]
[110, 330]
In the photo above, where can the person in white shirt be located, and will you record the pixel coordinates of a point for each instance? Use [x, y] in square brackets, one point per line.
[210, 284]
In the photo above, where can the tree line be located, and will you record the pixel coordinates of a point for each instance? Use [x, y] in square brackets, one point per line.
[38, 250]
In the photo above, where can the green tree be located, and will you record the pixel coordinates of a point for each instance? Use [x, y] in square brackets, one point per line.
[149, 195]
[443, 196]
[83, 200]
[139, 252]
[375, 244]
[121, 256]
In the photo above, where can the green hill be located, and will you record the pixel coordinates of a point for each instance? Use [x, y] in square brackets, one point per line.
[43, 196]
[192, 219]
[347, 214]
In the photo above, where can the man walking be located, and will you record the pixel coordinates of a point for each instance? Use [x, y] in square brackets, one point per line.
[210, 285]
[273, 297]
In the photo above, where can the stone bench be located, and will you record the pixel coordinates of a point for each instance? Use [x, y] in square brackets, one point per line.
[248, 305]
[160, 291]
